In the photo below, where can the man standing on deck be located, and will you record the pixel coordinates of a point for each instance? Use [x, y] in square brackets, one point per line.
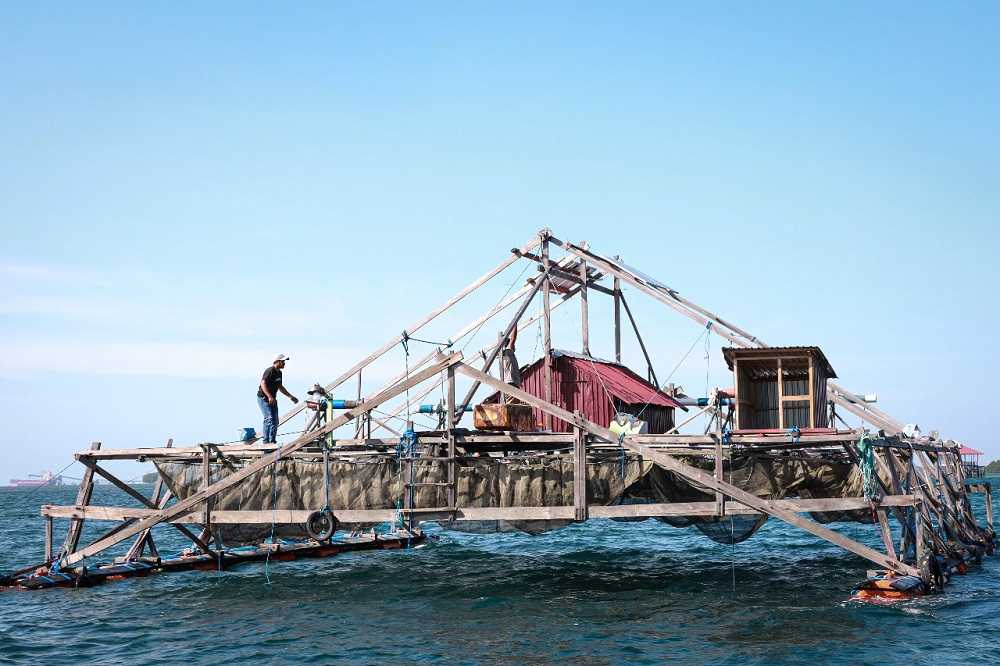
[267, 398]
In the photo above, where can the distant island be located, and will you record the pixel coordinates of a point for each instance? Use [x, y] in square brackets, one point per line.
[993, 467]
[150, 478]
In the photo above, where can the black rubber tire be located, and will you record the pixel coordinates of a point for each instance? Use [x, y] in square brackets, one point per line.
[321, 525]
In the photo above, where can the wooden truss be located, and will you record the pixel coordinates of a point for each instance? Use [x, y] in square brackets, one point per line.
[922, 481]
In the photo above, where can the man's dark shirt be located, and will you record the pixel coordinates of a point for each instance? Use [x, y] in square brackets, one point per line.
[272, 380]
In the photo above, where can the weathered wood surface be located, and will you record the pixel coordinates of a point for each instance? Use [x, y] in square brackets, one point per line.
[699, 476]
[358, 516]
[231, 480]
[783, 440]
[132, 492]
[83, 496]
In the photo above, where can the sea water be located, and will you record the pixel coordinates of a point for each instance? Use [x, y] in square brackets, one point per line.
[602, 592]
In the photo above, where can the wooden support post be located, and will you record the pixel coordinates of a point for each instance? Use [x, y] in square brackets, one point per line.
[451, 421]
[83, 496]
[812, 394]
[48, 538]
[618, 320]
[883, 525]
[580, 473]
[720, 499]
[738, 393]
[206, 481]
[547, 332]
[584, 309]
[988, 499]
[642, 345]
[921, 536]
[781, 396]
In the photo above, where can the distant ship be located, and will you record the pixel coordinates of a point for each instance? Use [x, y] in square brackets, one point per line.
[34, 480]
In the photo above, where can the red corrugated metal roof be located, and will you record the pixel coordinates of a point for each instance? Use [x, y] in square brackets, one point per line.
[619, 381]
[623, 384]
[969, 451]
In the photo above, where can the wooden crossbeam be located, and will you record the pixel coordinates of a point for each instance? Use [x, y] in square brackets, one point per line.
[360, 516]
[696, 475]
[188, 503]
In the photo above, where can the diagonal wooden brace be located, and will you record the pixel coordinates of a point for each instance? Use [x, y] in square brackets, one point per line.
[131, 492]
[187, 504]
[696, 475]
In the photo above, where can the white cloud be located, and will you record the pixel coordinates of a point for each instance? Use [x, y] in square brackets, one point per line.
[190, 319]
[165, 359]
[53, 274]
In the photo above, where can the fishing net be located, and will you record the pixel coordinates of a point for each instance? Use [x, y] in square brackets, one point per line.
[377, 482]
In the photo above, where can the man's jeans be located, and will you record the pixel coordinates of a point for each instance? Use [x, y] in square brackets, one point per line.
[270, 419]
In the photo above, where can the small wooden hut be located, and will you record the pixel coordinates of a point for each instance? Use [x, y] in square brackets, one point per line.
[797, 400]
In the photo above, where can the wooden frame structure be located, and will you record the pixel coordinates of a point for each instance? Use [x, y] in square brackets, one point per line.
[919, 482]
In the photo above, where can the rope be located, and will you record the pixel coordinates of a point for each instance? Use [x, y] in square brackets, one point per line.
[497, 304]
[274, 516]
[676, 367]
[621, 455]
[407, 337]
[54, 477]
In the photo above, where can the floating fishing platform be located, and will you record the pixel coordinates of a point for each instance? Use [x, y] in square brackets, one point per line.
[566, 438]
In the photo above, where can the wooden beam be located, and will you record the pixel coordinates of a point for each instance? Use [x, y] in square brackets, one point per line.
[188, 503]
[737, 391]
[488, 363]
[642, 345]
[416, 326]
[781, 395]
[357, 516]
[451, 420]
[144, 537]
[130, 491]
[48, 538]
[698, 476]
[547, 331]
[883, 524]
[83, 495]
[580, 474]
[584, 309]
[618, 320]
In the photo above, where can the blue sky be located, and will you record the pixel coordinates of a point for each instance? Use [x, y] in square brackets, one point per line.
[187, 191]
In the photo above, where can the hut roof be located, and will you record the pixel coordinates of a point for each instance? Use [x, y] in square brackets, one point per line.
[618, 380]
[731, 353]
